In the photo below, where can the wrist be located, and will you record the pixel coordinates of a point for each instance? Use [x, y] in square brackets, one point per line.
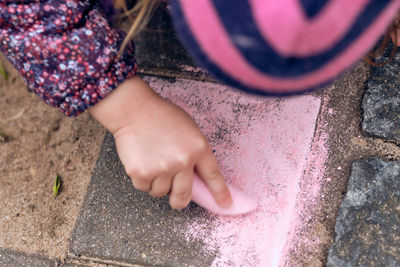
[117, 109]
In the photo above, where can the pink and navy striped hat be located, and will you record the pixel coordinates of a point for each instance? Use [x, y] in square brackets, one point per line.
[280, 47]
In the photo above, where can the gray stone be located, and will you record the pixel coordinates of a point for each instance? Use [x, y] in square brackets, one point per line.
[159, 52]
[368, 225]
[381, 102]
[10, 258]
[121, 224]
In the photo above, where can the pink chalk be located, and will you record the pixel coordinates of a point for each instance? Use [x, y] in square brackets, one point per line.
[241, 202]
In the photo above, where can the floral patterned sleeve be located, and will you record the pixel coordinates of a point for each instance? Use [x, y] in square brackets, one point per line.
[65, 50]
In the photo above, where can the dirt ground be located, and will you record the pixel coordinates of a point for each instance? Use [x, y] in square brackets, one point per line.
[38, 142]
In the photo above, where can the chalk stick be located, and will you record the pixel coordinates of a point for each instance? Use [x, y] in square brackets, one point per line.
[242, 203]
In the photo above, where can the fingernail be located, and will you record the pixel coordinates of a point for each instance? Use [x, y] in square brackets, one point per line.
[227, 203]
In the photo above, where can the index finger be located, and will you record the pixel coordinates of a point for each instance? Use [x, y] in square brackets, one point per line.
[208, 170]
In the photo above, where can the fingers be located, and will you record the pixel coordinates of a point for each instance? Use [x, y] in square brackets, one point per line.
[181, 191]
[207, 168]
[160, 186]
[179, 186]
[141, 185]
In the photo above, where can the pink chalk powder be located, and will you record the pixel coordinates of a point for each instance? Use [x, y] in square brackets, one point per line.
[262, 145]
[308, 199]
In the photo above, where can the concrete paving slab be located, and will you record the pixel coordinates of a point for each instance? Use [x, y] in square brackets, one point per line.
[121, 224]
[367, 226]
[262, 145]
[381, 102]
[159, 52]
[11, 258]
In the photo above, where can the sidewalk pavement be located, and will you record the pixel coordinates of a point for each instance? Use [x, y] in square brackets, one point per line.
[299, 156]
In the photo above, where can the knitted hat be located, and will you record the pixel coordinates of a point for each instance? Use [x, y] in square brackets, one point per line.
[280, 47]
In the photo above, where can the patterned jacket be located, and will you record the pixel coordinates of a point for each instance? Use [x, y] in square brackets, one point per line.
[66, 50]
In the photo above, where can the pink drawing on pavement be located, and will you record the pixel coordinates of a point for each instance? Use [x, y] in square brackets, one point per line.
[263, 146]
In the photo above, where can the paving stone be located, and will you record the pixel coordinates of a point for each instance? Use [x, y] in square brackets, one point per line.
[10, 258]
[381, 103]
[159, 52]
[121, 224]
[262, 145]
[368, 224]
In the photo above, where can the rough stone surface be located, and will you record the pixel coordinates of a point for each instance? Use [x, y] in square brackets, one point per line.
[10, 258]
[368, 224]
[121, 224]
[159, 52]
[381, 102]
[262, 145]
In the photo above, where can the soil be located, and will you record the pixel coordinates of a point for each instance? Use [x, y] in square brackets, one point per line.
[38, 142]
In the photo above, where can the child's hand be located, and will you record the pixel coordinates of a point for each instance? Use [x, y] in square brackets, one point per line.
[159, 144]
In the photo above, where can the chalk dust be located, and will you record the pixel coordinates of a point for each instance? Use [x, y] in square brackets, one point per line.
[262, 145]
